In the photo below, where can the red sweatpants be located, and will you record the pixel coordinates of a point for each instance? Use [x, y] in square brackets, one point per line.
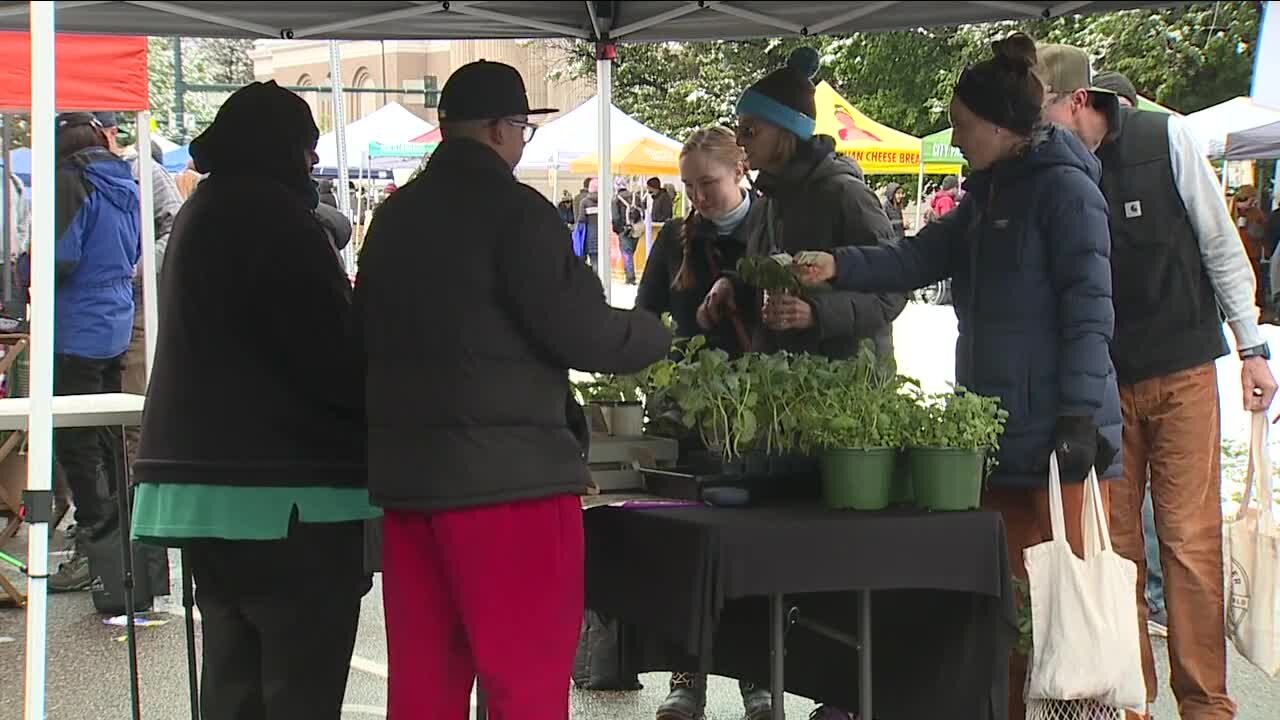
[493, 593]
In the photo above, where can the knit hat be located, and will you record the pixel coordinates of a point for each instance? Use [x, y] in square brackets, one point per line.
[950, 182]
[784, 97]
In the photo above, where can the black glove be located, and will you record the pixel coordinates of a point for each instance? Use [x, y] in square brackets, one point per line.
[1075, 440]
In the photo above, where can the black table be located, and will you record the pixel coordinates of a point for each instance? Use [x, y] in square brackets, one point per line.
[702, 588]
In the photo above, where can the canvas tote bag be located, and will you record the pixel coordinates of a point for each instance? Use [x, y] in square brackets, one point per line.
[1084, 615]
[1253, 562]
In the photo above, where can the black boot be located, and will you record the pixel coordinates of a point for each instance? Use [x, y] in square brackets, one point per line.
[687, 699]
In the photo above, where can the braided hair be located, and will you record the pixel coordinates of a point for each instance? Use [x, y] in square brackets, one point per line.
[721, 145]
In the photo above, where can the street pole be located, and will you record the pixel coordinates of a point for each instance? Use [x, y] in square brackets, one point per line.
[340, 138]
[179, 89]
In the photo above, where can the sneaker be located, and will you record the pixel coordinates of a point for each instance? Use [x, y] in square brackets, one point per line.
[1158, 625]
[757, 703]
[72, 576]
[687, 699]
[827, 712]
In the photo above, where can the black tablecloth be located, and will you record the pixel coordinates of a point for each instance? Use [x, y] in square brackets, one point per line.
[690, 586]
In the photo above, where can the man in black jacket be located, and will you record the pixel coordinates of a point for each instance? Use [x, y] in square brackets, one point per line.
[472, 309]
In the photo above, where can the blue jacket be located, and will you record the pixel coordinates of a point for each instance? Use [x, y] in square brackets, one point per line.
[1028, 251]
[99, 243]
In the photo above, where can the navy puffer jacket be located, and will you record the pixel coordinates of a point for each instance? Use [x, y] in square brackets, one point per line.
[1028, 250]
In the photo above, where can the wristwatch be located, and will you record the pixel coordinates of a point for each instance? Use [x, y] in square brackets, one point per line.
[1263, 351]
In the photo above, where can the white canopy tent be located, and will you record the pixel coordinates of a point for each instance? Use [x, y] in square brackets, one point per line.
[391, 124]
[576, 134]
[601, 22]
[1238, 129]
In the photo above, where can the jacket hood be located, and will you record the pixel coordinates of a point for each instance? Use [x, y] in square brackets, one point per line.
[815, 161]
[1051, 146]
[262, 130]
[890, 191]
[109, 175]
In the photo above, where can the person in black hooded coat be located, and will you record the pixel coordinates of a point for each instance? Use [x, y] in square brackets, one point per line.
[253, 438]
[894, 201]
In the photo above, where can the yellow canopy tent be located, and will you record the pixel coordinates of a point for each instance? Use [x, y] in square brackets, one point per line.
[878, 149]
[645, 156]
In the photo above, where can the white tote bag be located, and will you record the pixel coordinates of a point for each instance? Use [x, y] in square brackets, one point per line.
[1253, 563]
[1084, 612]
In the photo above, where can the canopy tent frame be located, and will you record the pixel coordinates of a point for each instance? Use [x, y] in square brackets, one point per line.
[655, 21]
[591, 20]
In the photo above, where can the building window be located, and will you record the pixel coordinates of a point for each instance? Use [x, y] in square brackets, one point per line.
[362, 103]
[311, 97]
[432, 86]
[324, 106]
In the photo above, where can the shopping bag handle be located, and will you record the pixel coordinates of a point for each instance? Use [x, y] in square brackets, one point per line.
[1093, 520]
[1260, 468]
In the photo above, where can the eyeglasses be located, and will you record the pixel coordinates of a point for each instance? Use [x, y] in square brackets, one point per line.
[528, 129]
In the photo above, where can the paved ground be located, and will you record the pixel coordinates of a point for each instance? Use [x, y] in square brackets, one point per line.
[87, 659]
[88, 677]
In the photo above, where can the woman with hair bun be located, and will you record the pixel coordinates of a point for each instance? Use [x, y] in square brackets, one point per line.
[1028, 250]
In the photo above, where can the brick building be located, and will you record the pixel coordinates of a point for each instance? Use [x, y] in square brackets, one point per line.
[408, 65]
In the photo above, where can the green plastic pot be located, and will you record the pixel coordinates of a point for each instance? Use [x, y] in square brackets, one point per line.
[947, 478]
[858, 479]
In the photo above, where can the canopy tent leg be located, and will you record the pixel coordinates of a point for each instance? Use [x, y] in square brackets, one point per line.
[6, 200]
[605, 53]
[40, 424]
[150, 269]
[920, 198]
[340, 137]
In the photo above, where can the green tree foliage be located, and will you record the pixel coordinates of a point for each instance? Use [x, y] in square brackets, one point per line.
[1187, 58]
[203, 61]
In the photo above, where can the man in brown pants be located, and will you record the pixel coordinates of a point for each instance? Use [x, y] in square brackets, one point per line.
[1178, 267]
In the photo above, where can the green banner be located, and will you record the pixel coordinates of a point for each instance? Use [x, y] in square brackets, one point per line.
[936, 149]
[400, 150]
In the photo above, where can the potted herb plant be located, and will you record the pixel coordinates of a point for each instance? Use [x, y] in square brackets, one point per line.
[951, 443]
[619, 400]
[855, 417]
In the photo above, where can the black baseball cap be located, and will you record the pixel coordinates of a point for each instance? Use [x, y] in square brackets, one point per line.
[70, 120]
[485, 90]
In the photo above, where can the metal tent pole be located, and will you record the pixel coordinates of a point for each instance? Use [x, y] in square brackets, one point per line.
[6, 200]
[605, 52]
[39, 500]
[150, 269]
[920, 197]
[340, 137]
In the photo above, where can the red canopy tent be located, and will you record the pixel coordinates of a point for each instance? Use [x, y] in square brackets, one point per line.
[93, 72]
[72, 72]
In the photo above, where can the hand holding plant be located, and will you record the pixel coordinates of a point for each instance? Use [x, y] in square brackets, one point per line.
[814, 268]
[714, 305]
[787, 312]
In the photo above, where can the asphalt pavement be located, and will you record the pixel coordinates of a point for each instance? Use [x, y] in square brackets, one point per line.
[88, 670]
